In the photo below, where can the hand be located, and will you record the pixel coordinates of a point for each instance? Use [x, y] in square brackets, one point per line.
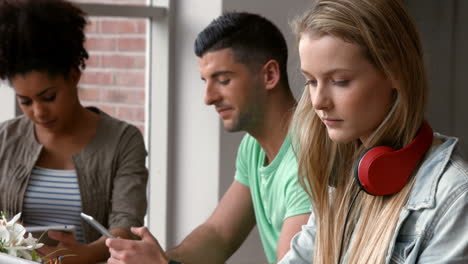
[67, 246]
[145, 251]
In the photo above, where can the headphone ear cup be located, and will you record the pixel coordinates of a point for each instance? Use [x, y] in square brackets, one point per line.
[383, 170]
[368, 169]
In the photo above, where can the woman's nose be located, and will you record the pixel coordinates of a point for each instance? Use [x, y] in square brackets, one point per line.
[319, 97]
[40, 111]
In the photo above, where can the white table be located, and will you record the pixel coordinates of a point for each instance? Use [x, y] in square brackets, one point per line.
[7, 259]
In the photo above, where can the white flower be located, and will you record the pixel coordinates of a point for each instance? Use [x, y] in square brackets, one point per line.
[30, 240]
[4, 234]
[13, 242]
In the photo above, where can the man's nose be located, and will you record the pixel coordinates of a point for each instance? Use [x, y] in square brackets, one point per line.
[212, 95]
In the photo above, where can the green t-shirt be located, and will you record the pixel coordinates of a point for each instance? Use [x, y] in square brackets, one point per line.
[275, 189]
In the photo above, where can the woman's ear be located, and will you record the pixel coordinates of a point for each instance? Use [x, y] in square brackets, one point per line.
[74, 76]
[396, 84]
[271, 74]
[395, 77]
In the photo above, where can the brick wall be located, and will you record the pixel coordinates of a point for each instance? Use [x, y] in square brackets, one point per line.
[129, 2]
[115, 76]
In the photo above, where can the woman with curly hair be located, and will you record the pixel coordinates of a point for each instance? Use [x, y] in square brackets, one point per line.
[384, 187]
[60, 158]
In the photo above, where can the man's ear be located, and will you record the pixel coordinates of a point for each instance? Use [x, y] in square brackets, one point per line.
[271, 74]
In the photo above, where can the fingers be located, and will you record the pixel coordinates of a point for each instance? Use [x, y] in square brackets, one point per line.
[48, 251]
[116, 255]
[113, 261]
[63, 237]
[44, 250]
[124, 251]
[121, 244]
[139, 231]
[145, 234]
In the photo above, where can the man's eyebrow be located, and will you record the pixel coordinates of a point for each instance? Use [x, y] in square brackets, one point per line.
[218, 73]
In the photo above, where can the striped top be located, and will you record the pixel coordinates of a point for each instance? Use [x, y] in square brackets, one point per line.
[53, 198]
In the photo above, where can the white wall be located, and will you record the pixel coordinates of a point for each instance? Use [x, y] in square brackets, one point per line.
[7, 102]
[443, 26]
[193, 186]
[203, 155]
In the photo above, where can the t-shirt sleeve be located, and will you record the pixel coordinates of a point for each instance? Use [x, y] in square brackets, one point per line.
[242, 172]
[297, 199]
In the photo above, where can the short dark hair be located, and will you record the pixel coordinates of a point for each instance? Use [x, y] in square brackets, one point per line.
[41, 35]
[253, 39]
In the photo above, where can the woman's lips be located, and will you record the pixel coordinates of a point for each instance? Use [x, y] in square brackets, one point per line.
[47, 124]
[331, 122]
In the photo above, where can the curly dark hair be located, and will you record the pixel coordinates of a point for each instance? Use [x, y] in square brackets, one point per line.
[41, 35]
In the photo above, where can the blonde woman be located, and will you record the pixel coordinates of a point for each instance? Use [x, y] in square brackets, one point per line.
[366, 87]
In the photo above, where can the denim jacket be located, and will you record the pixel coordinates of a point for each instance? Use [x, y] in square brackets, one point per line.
[433, 225]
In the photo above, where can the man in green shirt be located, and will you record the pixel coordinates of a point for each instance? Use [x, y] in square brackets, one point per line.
[242, 60]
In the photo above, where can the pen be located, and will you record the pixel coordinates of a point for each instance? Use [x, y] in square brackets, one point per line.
[96, 225]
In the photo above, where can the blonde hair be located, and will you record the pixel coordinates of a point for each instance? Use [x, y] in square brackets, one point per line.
[389, 40]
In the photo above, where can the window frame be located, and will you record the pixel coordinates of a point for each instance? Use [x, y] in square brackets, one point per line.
[157, 102]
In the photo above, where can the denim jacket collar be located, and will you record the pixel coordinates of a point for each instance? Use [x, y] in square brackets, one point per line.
[429, 173]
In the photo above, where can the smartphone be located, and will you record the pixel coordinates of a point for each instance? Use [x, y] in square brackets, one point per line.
[96, 225]
[41, 232]
[64, 228]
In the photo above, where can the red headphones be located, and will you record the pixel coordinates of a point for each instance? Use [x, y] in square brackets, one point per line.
[383, 170]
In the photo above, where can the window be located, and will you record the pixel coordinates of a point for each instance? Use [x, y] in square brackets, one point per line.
[115, 77]
[129, 78]
[7, 101]
[114, 2]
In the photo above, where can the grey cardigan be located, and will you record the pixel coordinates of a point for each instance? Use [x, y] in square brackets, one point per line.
[111, 170]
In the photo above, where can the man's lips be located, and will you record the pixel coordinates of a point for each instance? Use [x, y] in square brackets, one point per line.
[222, 107]
[223, 111]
